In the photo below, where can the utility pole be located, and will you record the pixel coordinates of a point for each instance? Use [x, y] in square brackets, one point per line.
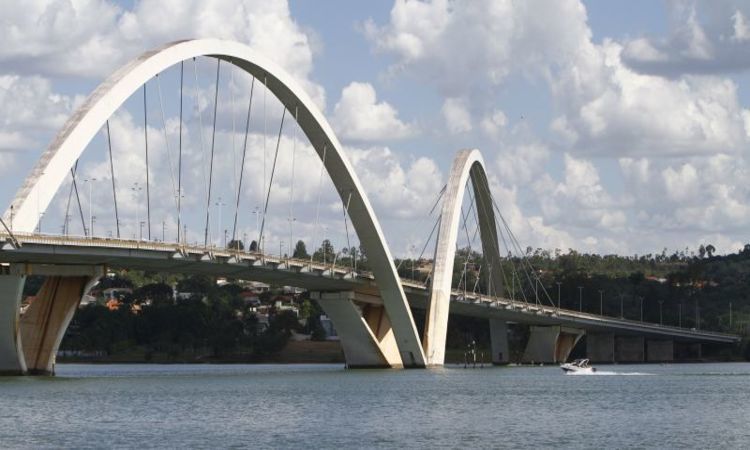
[641, 299]
[281, 243]
[661, 318]
[90, 181]
[601, 302]
[163, 230]
[580, 298]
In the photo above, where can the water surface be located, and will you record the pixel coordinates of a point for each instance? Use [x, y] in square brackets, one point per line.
[326, 406]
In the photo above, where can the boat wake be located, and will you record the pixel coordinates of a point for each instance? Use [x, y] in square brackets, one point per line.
[608, 373]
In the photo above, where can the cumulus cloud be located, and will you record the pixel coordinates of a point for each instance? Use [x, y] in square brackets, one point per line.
[702, 39]
[456, 115]
[91, 38]
[359, 116]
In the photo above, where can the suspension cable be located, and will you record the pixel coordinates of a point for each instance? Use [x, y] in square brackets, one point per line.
[148, 188]
[78, 198]
[112, 172]
[179, 161]
[346, 224]
[270, 181]
[242, 165]
[291, 193]
[70, 195]
[196, 106]
[213, 142]
[317, 209]
[166, 138]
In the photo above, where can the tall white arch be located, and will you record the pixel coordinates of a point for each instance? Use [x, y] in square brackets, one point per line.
[52, 168]
[468, 164]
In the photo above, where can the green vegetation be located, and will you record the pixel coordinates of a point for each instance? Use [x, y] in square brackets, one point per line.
[693, 290]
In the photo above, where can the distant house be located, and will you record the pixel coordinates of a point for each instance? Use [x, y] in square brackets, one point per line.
[116, 293]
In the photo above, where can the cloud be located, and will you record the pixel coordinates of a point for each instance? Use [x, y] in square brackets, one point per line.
[92, 38]
[30, 108]
[359, 116]
[702, 39]
[456, 115]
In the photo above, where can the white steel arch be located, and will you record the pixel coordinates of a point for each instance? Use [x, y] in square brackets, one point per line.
[52, 168]
[468, 164]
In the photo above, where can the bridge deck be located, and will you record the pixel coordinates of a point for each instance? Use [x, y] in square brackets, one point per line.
[35, 249]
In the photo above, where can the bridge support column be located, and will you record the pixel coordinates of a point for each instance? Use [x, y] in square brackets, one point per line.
[629, 349]
[11, 352]
[600, 347]
[499, 341]
[660, 350]
[550, 344]
[364, 329]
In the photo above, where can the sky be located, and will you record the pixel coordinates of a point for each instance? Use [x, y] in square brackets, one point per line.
[608, 127]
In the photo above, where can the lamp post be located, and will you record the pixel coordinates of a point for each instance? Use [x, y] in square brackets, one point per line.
[93, 221]
[580, 298]
[661, 318]
[558, 294]
[622, 305]
[281, 244]
[90, 182]
[641, 299]
[219, 203]
[136, 193]
[140, 232]
[601, 302]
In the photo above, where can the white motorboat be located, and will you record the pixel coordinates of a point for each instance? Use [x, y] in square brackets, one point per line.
[578, 366]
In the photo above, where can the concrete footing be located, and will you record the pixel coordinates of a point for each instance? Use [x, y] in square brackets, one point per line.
[499, 341]
[11, 354]
[550, 344]
[365, 331]
[29, 342]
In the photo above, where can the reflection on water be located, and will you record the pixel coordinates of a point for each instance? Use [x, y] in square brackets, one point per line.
[312, 406]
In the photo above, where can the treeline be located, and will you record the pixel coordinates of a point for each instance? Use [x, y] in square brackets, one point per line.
[214, 323]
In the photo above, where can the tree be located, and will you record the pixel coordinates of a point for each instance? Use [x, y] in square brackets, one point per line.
[253, 246]
[236, 244]
[325, 253]
[300, 251]
[710, 249]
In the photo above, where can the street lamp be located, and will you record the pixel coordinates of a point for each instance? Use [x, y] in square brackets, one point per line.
[93, 221]
[601, 302]
[641, 299]
[580, 298]
[661, 321]
[558, 294]
[136, 193]
[281, 244]
[90, 182]
[219, 203]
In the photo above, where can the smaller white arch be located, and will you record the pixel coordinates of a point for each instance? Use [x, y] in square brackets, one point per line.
[468, 164]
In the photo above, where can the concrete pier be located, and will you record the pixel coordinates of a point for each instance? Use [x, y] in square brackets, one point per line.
[629, 349]
[499, 341]
[550, 344]
[660, 350]
[600, 347]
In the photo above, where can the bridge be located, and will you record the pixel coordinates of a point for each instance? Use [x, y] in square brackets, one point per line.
[371, 310]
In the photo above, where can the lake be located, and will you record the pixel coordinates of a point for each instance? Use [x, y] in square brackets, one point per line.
[327, 406]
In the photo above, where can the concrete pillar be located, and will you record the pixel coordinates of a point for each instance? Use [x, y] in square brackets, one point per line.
[600, 347]
[629, 349]
[550, 344]
[11, 352]
[365, 331]
[660, 350]
[45, 322]
[499, 341]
